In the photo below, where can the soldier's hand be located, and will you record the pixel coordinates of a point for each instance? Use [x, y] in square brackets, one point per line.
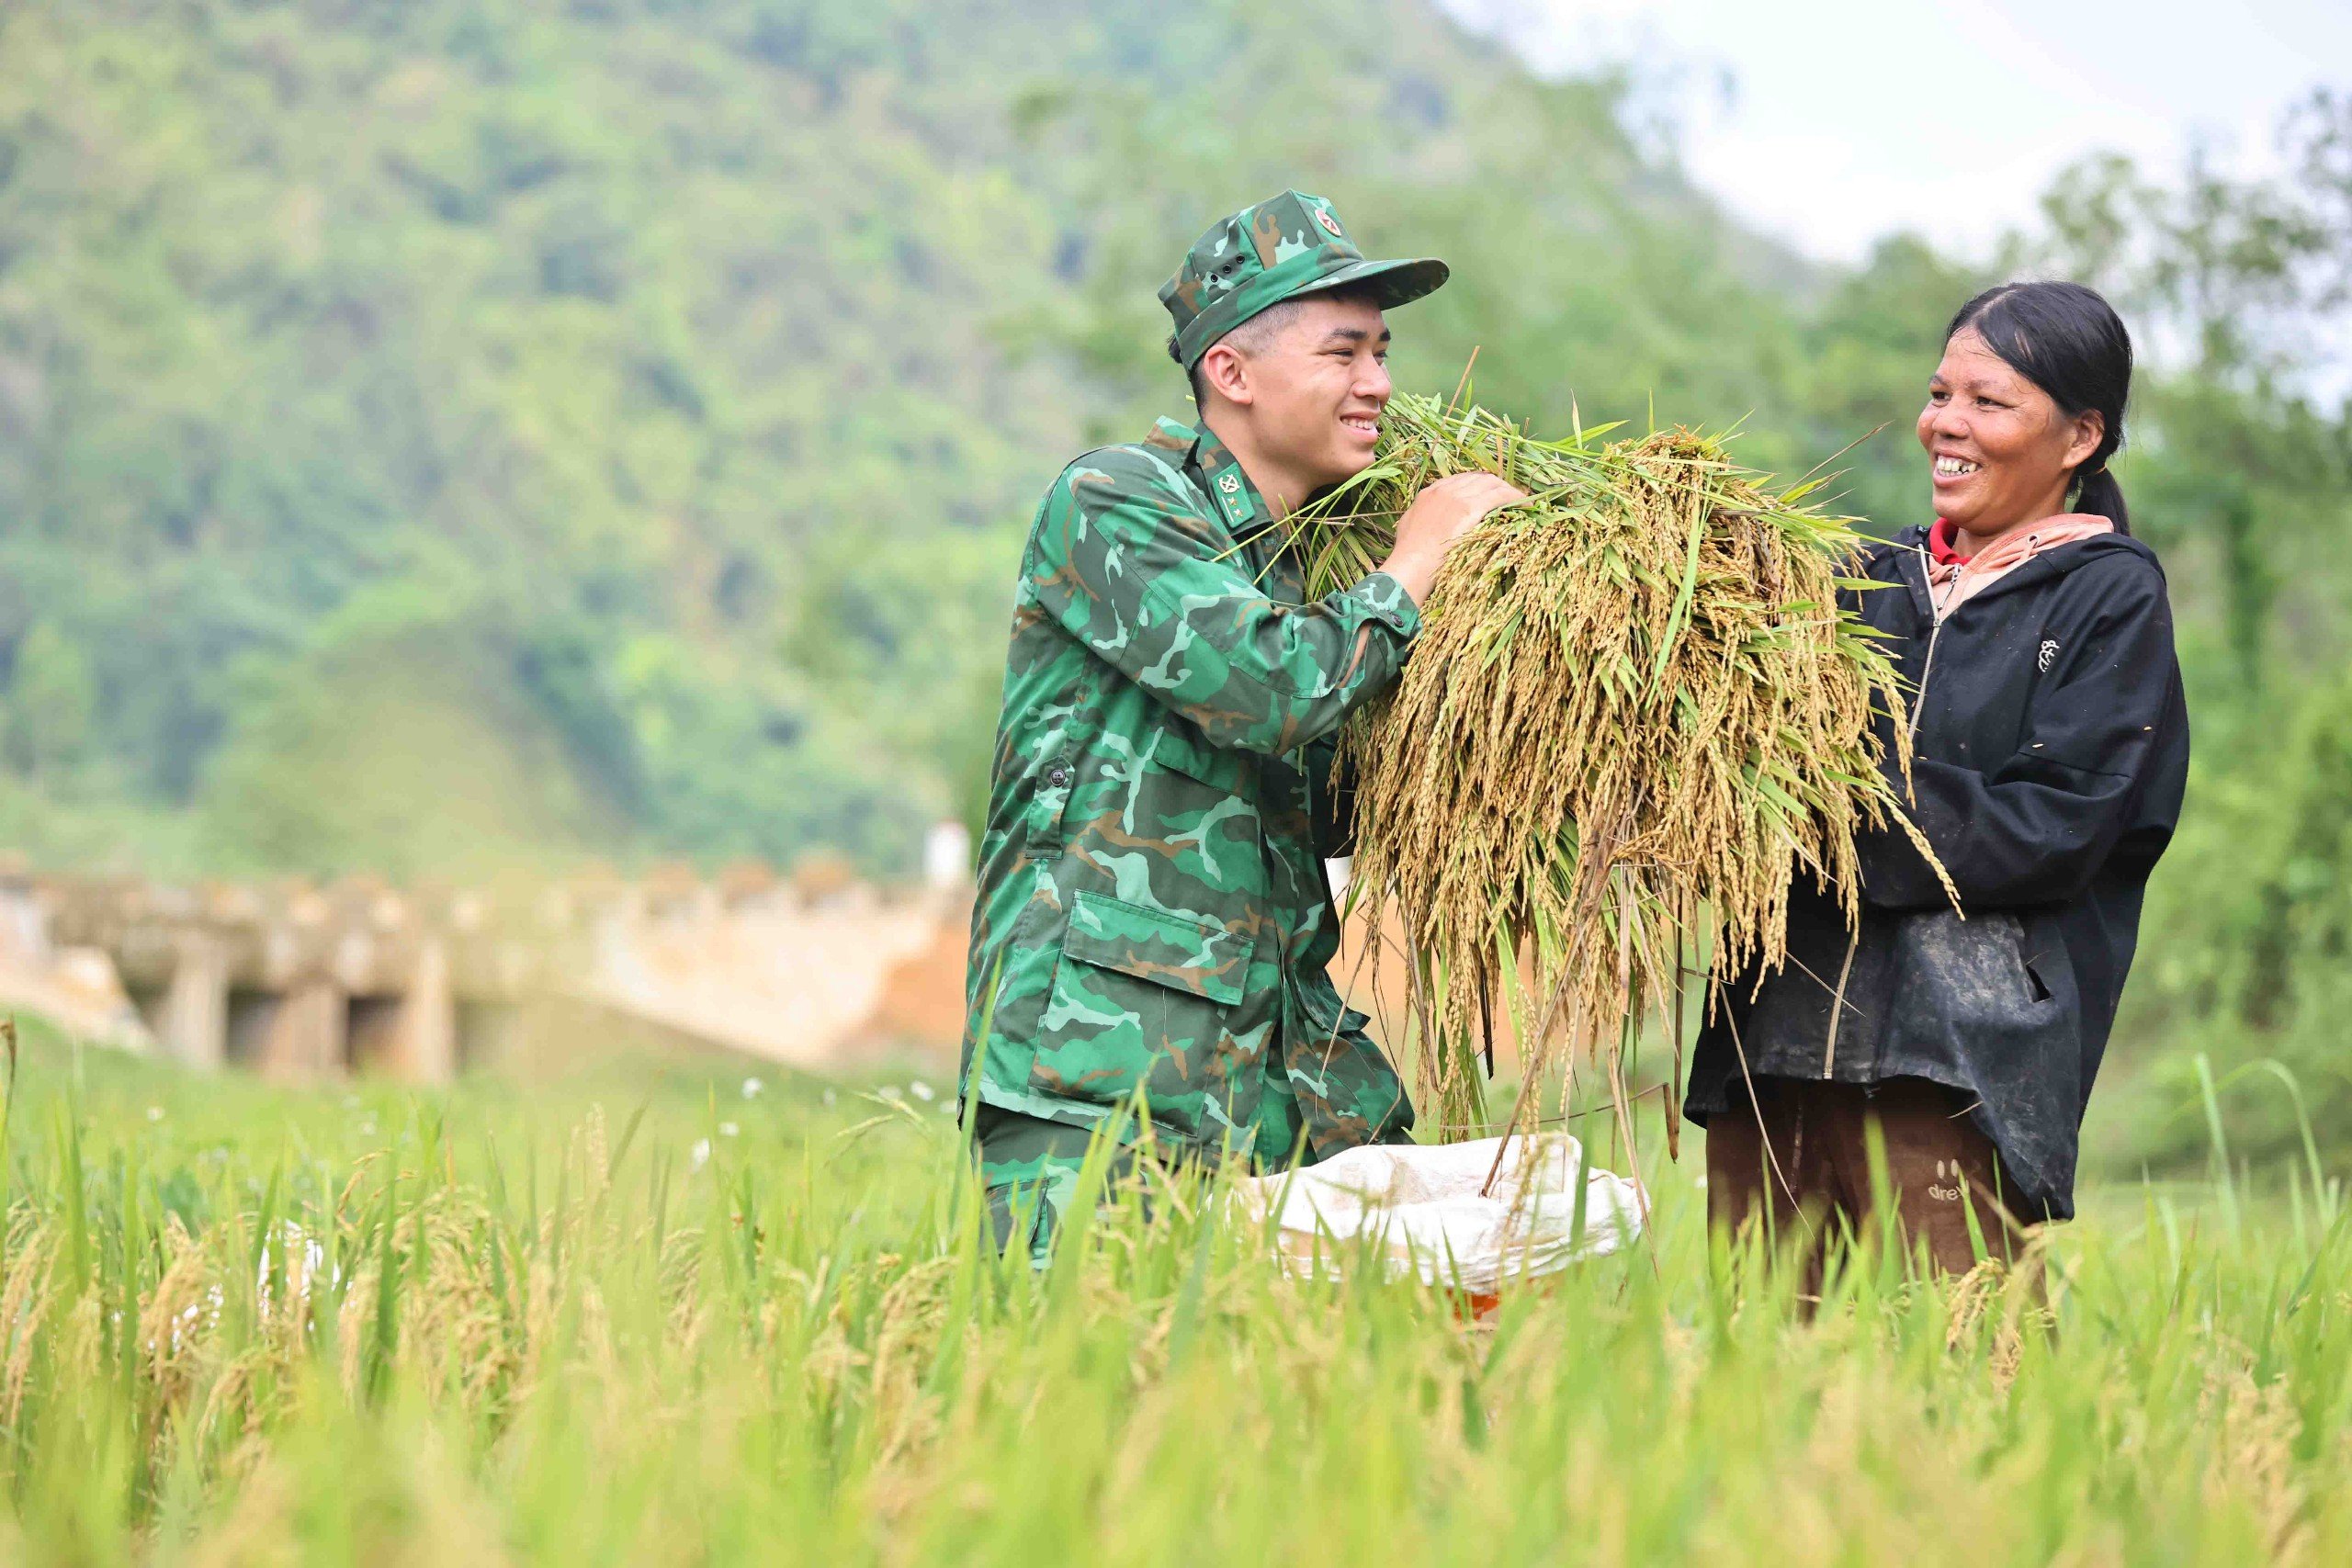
[1442, 514]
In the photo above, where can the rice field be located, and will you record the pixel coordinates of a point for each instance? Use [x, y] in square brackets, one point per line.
[678, 1315]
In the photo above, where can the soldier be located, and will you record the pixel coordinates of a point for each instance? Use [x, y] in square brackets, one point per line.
[1154, 926]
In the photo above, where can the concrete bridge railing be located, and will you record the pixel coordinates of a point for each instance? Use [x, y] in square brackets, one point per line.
[298, 981]
[295, 980]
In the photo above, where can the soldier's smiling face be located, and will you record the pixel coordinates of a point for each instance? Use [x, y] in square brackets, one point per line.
[1311, 385]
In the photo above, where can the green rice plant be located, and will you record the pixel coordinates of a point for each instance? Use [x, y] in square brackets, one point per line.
[1637, 710]
[749, 1330]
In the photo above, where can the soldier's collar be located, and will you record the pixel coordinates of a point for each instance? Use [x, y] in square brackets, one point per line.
[1241, 508]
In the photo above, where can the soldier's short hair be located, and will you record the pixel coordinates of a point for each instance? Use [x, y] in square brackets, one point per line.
[1253, 335]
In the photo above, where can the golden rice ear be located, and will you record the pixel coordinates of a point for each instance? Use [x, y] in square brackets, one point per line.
[1636, 713]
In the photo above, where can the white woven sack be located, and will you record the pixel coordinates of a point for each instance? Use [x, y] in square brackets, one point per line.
[1420, 1210]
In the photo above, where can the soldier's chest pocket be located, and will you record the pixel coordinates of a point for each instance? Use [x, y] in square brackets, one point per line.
[1189, 834]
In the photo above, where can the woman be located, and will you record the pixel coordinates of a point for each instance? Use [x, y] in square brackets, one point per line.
[2052, 745]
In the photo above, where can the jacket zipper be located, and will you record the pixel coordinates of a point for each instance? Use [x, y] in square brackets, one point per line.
[1919, 709]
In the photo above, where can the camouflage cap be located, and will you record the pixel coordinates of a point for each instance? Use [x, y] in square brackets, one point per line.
[1282, 248]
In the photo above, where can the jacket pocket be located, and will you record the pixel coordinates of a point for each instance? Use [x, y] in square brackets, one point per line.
[1177, 828]
[2047, 965]
[1977, 1001]
[1968, 977]
[1140, 999]
[1181, 754]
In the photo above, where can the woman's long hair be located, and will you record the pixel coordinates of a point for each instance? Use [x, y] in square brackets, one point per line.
[2069, 341]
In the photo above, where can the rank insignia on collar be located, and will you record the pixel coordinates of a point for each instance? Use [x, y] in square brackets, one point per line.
[1232, 498]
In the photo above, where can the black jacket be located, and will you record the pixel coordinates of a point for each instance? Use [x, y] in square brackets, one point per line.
[2051, 751]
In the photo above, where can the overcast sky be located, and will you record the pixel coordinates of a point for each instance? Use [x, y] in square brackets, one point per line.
[1831, 122]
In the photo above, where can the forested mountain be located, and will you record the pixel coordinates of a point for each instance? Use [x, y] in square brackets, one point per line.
[601, 428]
[467, 432]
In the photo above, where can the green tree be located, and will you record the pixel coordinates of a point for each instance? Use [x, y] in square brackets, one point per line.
[2228, 278]
[51, 699]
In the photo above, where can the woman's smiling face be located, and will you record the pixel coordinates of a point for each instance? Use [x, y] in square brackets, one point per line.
[2000, 450]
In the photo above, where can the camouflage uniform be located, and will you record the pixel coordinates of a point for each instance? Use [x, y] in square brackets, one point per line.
[1153, 927]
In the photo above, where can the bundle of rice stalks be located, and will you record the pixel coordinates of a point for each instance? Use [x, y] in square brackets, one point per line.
[1635, 711]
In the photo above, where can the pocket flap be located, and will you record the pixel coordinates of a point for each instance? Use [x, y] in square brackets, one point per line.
[1198, 759]
[1196, 956]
